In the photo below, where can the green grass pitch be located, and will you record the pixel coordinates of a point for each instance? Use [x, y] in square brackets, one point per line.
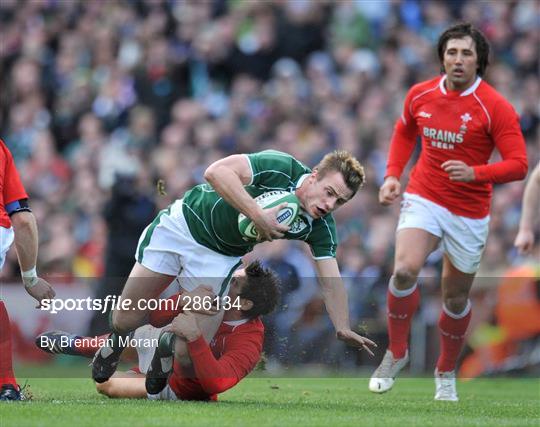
[285, 402]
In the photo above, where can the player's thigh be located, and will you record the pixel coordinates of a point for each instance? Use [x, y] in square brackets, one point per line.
[206, 267]
[164, 241]
[142, 284]
[464, 242]
[413, 246]
[418, 233]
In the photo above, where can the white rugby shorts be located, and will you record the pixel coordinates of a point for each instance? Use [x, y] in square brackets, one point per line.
[6, 239]
[462, 239]
[166, 246]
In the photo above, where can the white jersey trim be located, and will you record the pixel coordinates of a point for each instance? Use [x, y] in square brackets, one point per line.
[235, 323]
[251, 168]
[485, 110]
[465, 92]
[416, 97]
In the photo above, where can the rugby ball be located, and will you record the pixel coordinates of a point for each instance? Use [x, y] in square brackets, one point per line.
[269, 200]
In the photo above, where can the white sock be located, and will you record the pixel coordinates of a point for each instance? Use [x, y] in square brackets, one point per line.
[398, 293]
[459, 315]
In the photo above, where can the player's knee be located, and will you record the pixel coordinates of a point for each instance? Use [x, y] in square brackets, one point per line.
[456, 304]
[123, 321]
[404, 277]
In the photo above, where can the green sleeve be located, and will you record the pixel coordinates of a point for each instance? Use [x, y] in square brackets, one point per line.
[323, 238]
[274, 170]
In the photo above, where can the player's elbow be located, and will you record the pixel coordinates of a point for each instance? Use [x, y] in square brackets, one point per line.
[214, 388]
[217, 385]
[110, 389]
[23, 221]
[106, 388]
[523, 168]
[211, 173]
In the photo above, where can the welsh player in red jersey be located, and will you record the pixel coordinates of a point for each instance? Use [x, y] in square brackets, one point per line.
[17, 223]
[216, 367]
[460, 120]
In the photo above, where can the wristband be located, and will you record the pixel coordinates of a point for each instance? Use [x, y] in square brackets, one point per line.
[30, 278]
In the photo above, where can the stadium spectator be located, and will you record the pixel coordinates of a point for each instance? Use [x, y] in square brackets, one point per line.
[461, 120]
[17, 224]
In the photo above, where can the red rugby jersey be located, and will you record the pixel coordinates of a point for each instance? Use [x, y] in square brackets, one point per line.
[11, 188]
[231, 355]
[464, 126]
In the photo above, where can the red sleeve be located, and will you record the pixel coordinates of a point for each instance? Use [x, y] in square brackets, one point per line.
[403, 140]
[169, 309]
[241, 353]
[506, 134]
[13, 188]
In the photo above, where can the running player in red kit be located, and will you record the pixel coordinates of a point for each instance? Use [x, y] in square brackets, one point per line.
[460, 120]
[17, 223]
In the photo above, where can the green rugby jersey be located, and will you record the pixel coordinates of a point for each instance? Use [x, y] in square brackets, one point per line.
[214, 223]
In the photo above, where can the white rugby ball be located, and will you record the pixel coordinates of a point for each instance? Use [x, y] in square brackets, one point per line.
[269, 200]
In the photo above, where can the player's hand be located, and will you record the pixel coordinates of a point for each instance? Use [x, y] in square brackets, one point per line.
[267, 225]
[389, 191]
[524, 241]
[200, 300]
[458, 171]
[41, 290]
[354, 340]
[184, 325]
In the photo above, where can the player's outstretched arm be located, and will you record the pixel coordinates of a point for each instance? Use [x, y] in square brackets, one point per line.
[228, 177]
[337, 305]
[26, 243]
[531, 204]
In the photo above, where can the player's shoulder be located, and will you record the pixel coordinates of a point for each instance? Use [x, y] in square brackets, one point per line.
[275, 155]
[490, 97]
[278, 160]
[4, 151]
[254, 325]
[424, 87]
[254, 328]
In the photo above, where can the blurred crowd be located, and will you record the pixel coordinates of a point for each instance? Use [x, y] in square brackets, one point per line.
[100, 99]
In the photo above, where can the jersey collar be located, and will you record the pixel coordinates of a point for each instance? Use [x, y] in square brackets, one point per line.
[235, 323]
[301, 180]
[473, 87]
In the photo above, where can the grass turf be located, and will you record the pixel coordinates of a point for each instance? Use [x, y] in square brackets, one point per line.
[284, 402]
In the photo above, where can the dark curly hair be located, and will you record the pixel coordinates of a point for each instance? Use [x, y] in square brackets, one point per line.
[261, 286]
[460, 31]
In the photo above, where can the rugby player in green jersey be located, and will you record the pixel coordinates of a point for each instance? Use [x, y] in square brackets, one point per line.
[196, 239]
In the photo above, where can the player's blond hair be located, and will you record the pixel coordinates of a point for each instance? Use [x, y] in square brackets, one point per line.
[344, 162]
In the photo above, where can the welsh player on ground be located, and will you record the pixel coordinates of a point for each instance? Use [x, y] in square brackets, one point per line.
[216, 366]
[460, 120]
[199, 234]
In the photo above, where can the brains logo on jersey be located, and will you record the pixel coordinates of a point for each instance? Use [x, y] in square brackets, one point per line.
[269, 200]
